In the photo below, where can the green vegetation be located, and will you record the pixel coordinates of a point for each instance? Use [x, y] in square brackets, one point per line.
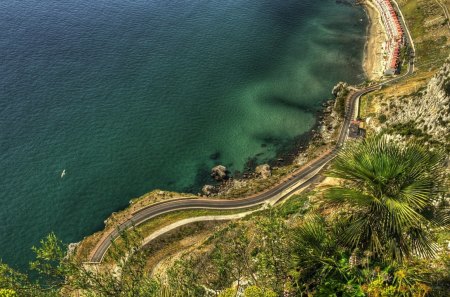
[252, 291]
[394, 189]
[382, 118]
[430, 40]
[161, 221]
[341, 100]
[364, 105]
[380, 231]
[7, 293]
[409, 129]
[447, 87]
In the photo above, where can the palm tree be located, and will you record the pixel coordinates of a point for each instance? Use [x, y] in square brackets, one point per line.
[388, 189]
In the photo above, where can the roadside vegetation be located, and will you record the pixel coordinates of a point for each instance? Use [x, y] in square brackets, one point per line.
[155, 224]
[379, 229]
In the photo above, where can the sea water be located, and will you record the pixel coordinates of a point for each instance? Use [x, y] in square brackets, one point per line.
[128, 96]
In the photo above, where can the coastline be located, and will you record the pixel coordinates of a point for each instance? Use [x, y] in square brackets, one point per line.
[376, 36]
[303, 149]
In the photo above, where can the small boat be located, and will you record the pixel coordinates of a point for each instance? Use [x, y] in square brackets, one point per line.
[63, 173]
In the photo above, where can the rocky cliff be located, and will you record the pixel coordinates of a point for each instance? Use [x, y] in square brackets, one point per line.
[426, 112]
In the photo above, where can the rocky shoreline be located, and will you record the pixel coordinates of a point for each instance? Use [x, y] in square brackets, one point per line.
[255, 177]
[322, 136]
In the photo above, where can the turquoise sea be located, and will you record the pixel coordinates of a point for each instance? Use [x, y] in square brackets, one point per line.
[128, 96]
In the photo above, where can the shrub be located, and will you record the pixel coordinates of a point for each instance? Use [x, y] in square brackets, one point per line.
[7, 293]
[382, 118]
[447, 87]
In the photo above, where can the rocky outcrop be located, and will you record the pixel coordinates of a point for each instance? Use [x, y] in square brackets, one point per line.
[263, 171]
[427, 110]
[329, 122]
[333, 112]
[208, 190]
[339, 89]
[219, 173]
[71, 249]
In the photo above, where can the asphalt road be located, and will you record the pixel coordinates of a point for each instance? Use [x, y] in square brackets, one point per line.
[297, 181]
[193, 203]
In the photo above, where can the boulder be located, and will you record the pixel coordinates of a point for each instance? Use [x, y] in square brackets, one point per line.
[71, 249]
[339, 88]
[208, 190]
[263, 171]
[219, 173]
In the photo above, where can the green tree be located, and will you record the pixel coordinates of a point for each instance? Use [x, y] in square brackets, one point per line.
[389, 193]
[274, 250]
[229, 292]
[232, 258]
[19, 283]
[7, 293]
[123, 274]
[254, 291]
[323, 268]
[183, 279]
[59, 274]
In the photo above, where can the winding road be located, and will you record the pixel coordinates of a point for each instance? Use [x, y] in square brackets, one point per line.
[299, 179]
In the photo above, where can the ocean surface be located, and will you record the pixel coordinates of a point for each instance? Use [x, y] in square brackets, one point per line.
[128, 96]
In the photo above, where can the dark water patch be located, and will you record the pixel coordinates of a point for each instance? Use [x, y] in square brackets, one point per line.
[346, 2]
[202, 177]
[215, 156]
[289, 13]
[287, 103]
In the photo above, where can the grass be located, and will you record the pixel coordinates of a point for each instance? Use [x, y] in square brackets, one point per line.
[365, 105]
[296, 204]
[431, 40]
[178, 242]
[157, 223]
[164, 220]
[408, 129]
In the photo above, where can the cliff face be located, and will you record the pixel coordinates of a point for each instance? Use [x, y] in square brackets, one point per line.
[427, 109]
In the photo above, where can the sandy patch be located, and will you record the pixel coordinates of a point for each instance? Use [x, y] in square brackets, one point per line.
[373, 54]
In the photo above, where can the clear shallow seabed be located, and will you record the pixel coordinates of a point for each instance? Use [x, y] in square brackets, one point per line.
[130, 96]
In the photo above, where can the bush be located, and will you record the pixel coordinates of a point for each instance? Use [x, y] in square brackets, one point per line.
[340, 106]
[409, 129]
[382, 118]
[255, 291]
[447, 87]
[7, 293]
[230, 292]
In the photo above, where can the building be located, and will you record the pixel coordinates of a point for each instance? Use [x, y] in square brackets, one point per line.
[357, 129]
[395, 35]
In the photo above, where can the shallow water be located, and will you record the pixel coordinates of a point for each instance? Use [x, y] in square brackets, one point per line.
[130, 96]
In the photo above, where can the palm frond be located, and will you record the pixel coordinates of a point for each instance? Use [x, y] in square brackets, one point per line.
[389, 186]
[341, 195]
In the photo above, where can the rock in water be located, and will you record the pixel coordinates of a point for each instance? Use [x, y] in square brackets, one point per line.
[219, 173]
[263, 171]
